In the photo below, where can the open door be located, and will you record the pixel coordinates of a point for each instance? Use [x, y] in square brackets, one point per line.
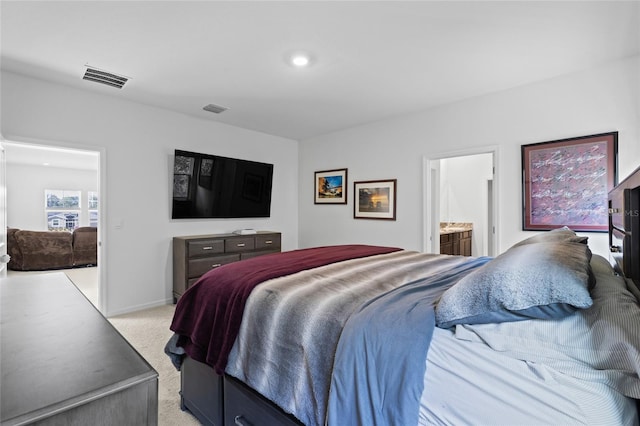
[449, 197]
[4, 257]
[432, 206]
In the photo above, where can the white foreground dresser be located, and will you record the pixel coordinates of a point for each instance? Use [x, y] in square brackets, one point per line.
[63, 363]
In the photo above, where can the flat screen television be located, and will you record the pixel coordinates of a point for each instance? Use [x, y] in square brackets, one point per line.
[211, 186]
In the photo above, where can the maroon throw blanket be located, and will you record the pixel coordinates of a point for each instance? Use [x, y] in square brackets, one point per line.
[209, 313]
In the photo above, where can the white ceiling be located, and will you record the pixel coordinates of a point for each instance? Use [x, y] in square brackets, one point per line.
[371, 59]
[47, 156]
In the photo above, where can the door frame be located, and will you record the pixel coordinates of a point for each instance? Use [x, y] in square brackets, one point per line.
[4, 259]
[431, 198]
[102, 204]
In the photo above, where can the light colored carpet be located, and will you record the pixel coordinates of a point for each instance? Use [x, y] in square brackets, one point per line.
[148, 332]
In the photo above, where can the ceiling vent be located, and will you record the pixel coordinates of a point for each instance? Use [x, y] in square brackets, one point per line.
[216, 109]
[108, 78]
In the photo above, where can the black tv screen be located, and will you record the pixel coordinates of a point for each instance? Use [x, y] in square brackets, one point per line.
[211, 186]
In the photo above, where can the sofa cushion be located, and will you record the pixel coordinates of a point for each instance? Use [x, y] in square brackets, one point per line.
[85, 246]
[13, 250]
[43, 250]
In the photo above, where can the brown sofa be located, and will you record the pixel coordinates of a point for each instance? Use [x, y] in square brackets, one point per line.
[43, 250]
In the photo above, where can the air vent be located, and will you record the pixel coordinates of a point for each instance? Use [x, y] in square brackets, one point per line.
[110, 79]
[216, 109]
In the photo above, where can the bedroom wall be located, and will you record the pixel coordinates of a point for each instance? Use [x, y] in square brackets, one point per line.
[25, 193]
[138, 143]
[589, 102]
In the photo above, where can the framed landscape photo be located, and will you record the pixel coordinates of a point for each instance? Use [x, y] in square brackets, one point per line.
[375, 199]
[566, 183]
[330, 187]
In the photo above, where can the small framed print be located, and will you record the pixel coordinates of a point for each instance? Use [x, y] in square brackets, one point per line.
[375, 199]
[331, 187]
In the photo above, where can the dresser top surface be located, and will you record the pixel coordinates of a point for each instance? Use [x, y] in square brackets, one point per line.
[56, 348]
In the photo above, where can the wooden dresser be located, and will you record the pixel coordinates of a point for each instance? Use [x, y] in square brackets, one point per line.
[196, 254]
[63, 363]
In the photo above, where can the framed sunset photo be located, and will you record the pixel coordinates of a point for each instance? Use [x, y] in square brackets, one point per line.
[375, 199]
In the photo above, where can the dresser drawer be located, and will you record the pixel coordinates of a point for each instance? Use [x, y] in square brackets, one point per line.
[204, 248]
[244, 406]
[197, 267]
[268, 242]
[197, 254]
[252, 254]
[237, 245]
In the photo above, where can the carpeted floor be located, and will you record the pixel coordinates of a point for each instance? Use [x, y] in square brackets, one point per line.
[148, 332]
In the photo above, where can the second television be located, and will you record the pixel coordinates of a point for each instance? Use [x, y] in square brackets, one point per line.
[211, 186]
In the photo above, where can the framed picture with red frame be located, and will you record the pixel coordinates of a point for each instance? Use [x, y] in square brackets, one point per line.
[566, 182]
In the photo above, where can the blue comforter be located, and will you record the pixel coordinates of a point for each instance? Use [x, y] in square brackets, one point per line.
[380, 359]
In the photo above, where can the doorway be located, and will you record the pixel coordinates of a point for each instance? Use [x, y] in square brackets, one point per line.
[460, 189]
[34, 169]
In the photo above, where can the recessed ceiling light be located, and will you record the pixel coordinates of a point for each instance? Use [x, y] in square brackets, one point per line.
[300, 59]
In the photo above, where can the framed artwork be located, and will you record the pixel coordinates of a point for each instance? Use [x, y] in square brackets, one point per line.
[375, 199]
[330, 187]
[566, 182]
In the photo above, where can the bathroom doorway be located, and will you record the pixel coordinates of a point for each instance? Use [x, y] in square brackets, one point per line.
[460, 193]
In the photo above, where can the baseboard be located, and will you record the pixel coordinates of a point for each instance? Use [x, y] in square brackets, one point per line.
[136, 308]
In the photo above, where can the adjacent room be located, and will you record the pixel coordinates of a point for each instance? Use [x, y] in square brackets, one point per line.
[324, 181]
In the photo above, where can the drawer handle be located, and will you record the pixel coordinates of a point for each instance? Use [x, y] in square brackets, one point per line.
[216, 265]
[241, 244]
[268, 242]
[240, 421]
[207, 248]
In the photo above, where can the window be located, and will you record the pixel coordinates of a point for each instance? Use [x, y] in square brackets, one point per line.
[62, 209]
[92, 200]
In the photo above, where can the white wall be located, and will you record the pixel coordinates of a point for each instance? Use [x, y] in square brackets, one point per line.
[138, 143]
[25, 193]
[595, 101]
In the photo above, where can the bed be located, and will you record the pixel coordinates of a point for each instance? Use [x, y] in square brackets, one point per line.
[545, 333]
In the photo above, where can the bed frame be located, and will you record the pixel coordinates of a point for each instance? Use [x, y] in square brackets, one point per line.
[216, 400]
[222, 400]
[624, 227]
[624, 231]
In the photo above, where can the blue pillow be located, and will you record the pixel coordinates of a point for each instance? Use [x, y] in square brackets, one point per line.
[543, 280]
